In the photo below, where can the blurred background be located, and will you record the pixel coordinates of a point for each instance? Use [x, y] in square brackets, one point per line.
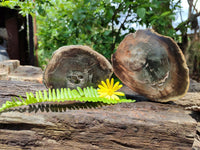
[31, 30]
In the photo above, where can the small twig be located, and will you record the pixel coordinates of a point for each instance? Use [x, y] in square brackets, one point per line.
[186, 22]
[194, 6]
[115, 13]
[119, 30]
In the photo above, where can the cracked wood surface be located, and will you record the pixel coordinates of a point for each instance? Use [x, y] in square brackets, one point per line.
[140, 125]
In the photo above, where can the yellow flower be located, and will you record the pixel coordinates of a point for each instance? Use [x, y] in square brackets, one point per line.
[108, 89]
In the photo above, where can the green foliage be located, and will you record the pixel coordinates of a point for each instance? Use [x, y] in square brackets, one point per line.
[100, 24]
[88, 94]
[141, 12]
[26, 6]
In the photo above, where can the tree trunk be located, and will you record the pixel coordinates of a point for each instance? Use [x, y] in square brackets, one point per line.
[140, 125]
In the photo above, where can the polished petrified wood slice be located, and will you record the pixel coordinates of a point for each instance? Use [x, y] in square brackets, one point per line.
[76, 65]
[152, 65]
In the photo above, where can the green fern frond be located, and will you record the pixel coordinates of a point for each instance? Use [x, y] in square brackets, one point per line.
[88, 94]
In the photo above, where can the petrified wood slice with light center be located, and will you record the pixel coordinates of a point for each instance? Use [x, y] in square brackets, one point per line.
[152, 65]
[76, 65]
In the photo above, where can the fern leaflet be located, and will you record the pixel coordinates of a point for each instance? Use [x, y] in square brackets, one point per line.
[88, 94]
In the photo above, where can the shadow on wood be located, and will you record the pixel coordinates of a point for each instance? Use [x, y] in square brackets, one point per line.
[140, 125]
[59, 107]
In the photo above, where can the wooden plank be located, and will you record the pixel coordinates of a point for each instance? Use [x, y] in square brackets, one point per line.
[140, 125]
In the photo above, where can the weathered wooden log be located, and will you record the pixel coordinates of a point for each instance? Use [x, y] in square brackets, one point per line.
[140, 125]
[27, 73]
[7, 67]
[76, 65]
[190, 101]
[12, 70]
[152, 65]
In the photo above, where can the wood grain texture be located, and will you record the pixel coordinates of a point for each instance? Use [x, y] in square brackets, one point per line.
[27, 73]
[12, 70]
[6, 67]
[76, 65]
[151, 65]
[140, 125]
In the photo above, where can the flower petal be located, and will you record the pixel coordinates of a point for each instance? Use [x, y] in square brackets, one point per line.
[118, 87]
[115, 86]
[108, 83]
[102, 87]
[104, 84]
[107, 89]
[115, 97]
[111, 83]
[119, 93]
[102, 94]
[108, 97]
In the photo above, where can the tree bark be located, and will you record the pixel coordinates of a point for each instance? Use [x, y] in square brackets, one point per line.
[140, 125]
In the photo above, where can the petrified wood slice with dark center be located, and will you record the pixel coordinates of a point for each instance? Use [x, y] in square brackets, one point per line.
[76, 65]
[152, 65]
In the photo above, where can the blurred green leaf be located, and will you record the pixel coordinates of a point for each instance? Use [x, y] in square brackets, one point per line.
[41, 11]
[141, 12]
[165, 13]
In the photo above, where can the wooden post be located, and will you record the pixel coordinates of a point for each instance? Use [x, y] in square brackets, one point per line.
[31, 42]
[13, 35]
[15, 24]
